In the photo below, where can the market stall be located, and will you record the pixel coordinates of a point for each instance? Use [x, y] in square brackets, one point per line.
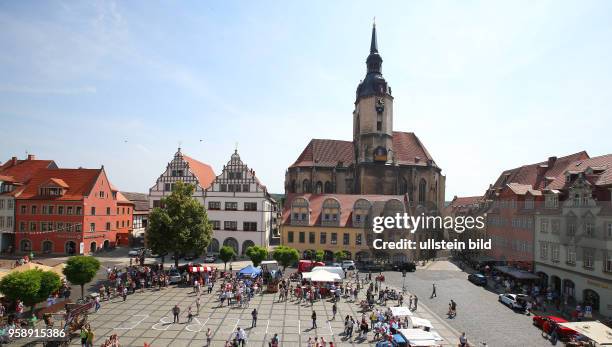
[400, 311]
[321, 276]
[250, 271]
[195, 269]
[419, 337]
[420, 322]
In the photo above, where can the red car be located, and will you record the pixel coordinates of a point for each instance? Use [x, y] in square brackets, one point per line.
[547, 324]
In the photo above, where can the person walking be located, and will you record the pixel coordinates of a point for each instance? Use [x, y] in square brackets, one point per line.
[314, 319]
[416, 302]
[241, 336]
[274, 342]
[90, 337]
[433, 291]
[208, 337]
[97, 303]
[124, 293]
[198, 305]
[334, 311]
[463, 341]
[176, 310]
[189, 315]
[410, 302]
[254, 315]
[453, 306]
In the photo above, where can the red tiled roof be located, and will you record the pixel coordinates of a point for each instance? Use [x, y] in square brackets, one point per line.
[122, 199]
[460, 201]
[347, 201]
[23, 170]
[529, 175]
[140, 200]
[59, 182]
[408, 150]
[6, 178]
[602, 163]
[203, 172]
[79, 182]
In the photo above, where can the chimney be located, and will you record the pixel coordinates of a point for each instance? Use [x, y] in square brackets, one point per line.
[14, 160]
[31, 157]
[551, 162]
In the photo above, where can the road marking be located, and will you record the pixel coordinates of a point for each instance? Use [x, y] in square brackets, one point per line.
[165, 324]
[200, 324]
[330, 328]
[299, 328]
[267, 325]
[144, 316]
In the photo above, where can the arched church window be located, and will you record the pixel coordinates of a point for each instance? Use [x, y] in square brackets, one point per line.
[422, 191]
[319, 187]
[293, 186]
[306, 186]
[328, 187]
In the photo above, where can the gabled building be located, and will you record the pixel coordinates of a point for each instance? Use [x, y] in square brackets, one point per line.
[14, 174]
[512, 203]
[240, 209]
[573, 237]
[67, 211]
[182, 168]
[140, 216]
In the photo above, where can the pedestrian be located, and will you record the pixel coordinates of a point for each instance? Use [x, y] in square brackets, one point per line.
[274, 342]
[453, 306]
[124, 293]
[433, 291]
[97, 303]
[463, 341]
[334, 311]
[198, 305]
[189, 315]
[241, 336]
[90, 337]
[210, 287]
[208, 337]
[416, 302]
[410, 302]
[314, 319]
[83, 336]
[254, 315]
[175, 311]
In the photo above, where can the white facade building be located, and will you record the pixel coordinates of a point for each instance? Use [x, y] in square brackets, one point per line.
[185, 169]
[240, 208]
[7, 211]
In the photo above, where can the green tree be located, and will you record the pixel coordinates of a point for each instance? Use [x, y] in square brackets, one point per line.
[341, 255]
[286, 256]
[181, 226]
[80, 270]
[319, 255]
[256, 254]
[309, 254]
[23, 285]
[226, 253]
[49, 283]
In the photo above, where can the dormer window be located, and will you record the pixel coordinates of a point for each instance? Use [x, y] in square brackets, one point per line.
[53, 187]
[6, 187]
[331, 212]
[51, 191]
[300, 213]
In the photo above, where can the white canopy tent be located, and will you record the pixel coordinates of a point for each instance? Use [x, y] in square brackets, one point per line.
[322, 276]
[418, 337]
[595, 331]
[420, 322]
[400, 311]
[333, 269]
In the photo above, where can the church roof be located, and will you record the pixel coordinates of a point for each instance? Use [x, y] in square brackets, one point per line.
[408, 150]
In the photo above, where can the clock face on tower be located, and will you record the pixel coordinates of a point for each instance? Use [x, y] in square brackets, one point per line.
[380, 105]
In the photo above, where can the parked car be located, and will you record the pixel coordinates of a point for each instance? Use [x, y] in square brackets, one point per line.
[514, 301]
[348, 265]
[191, 256]
[370, 266]
[174, 276]
[478, 279]
[405, 266]
[134, 252]
[548, 324]
[210, 259]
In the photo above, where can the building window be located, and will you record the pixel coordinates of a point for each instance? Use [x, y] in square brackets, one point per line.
[311, 237]
[588, 258]
[44, 209]
[290, 236]
[358, 239]
[216, 225]
[43, 226]
[609, 229]
[69, 210]
[589, 229]
[123, 224]
[422, 191]
[250, 206]
[334, 238]
[302, 236]
[543, 250]
[323, 238]
[223, 188]
[346, 239]
[554, 252]
[571, 229]
[544, 226]
[529, 203]
[230, 225]
[555, 226]
[9, 222]
[92, 227]
[93, 211]
[101, 194]
[214, 205]
[60, 210]
[168, 187]
[177, 173]
[571, 255]
[108, 226]
[33, 209]
[10, 204]
[607, 262]
[551, 201]
[249, 226]
[117, 224]
[22, 226]
[68, 226]
[24, 209]
[32, 226]
[231, 206]
[246, 188]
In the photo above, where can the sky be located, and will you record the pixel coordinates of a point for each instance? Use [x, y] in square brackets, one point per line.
[486, 85]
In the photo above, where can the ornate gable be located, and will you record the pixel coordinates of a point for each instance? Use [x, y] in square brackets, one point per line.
[237, 177]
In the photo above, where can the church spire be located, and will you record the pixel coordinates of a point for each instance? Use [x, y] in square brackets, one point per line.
[373, 43]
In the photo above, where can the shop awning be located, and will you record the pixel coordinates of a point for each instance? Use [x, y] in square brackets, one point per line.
[413, 335]
[516, 273]
[401, 311]
[595, 331]
[200, 269]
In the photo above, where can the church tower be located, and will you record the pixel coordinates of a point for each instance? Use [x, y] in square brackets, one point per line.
[373, 115]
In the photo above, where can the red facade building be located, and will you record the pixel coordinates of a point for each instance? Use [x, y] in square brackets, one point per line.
[69, 211]
[513, 200]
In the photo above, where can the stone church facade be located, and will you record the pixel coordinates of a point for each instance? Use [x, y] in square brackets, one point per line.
[378, 160]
